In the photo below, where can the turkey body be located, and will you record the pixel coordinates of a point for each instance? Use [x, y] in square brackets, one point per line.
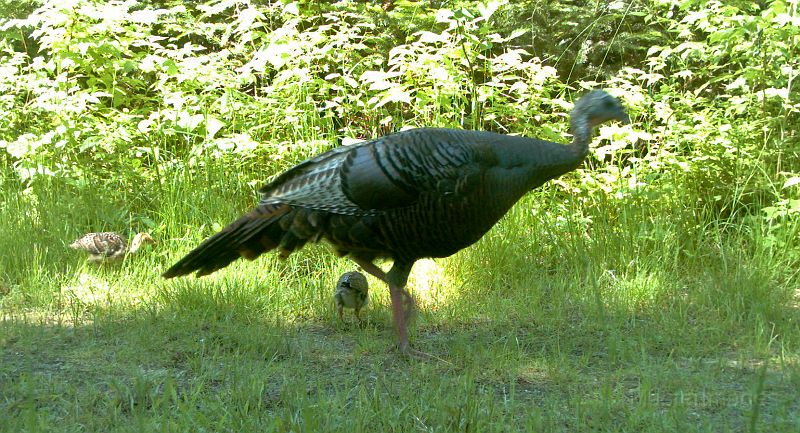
[101, 246]
[415, 215]
[426, 192]
[420, 193]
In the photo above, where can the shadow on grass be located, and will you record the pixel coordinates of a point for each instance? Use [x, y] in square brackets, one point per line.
[239, 353]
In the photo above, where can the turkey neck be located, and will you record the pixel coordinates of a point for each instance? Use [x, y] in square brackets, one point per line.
[550, 159]
[581, 134]
[539, 160]
[134, 247]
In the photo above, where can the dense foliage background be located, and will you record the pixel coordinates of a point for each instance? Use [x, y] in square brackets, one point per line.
[124, 96]
[166, 116]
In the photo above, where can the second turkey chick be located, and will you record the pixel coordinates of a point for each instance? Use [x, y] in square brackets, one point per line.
[108, 247]
[352, 291]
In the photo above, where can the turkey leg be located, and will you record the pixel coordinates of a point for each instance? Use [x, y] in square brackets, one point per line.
[371, 269]
[407, 300]
[402, 302]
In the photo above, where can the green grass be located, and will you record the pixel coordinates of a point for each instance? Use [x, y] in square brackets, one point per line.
[573, 314]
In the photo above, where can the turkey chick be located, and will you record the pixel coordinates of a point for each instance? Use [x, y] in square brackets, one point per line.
[352, 291]
[108, 247]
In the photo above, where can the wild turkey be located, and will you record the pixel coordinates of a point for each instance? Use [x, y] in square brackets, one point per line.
[106, 247]
[352, 291]
[419, 193]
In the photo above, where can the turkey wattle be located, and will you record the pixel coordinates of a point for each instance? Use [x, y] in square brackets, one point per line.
[419, 193]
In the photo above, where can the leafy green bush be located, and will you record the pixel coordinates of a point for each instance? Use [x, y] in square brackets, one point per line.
[143, 92]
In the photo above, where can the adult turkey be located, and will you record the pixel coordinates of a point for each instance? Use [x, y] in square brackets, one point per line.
[419, 193]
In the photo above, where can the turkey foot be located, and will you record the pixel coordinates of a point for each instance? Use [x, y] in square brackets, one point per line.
[403, 309]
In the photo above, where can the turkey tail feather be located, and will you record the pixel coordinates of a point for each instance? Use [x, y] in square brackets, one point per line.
[249, 236]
